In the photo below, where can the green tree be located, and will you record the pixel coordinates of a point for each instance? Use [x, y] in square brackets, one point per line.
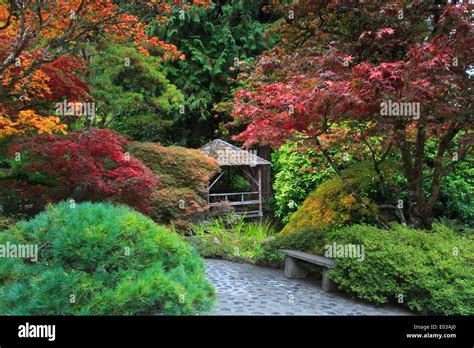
[132, 93]
[216, 42]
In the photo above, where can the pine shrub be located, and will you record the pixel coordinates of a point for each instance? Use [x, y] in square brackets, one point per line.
[101, 259]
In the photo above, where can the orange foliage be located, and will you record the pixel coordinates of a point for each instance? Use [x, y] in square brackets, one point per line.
[28, 120]
[331, 205]
[37, 34]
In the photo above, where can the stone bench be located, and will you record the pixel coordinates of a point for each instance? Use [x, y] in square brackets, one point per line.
[294, 267]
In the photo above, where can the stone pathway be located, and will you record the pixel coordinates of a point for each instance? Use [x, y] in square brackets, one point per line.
[244, 289]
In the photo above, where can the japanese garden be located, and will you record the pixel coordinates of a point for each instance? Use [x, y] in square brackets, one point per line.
[236, 157]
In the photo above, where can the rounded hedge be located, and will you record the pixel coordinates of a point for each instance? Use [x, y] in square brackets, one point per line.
[429, 271]
[307, 239]
[184, 174]
[101, 259]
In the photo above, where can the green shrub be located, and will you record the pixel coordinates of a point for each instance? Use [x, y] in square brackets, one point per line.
[110, 259]
[456, 193]
[331, 205]
[457, 226]
[308, 239]
[184, 174]
[432, 270]
[455, 199]
[297, 173]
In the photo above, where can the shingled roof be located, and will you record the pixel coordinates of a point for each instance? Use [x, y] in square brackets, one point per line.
[229, 155]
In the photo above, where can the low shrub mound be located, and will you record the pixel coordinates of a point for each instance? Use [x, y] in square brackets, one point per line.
[100, 259]
[331, 205]
[297, 173]
[429, 271]
[184, 174]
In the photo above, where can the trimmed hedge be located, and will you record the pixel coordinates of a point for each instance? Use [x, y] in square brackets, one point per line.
[100, 259]
[184, 174]
[429, 270]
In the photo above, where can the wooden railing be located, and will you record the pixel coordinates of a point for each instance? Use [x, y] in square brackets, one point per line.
[239, 199]
[233, 198]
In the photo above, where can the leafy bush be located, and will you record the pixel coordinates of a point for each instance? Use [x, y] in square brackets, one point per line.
[455, 200]
[234, 239]
[110, 259]
[308, 239]
[297, 173]
[144, 103]
[456, 193]
[331, 205]
[89, 165]
[457, 226]
[432, 270]
[184, 174]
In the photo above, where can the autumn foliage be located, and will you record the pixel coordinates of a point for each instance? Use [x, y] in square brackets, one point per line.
[184, 174]
[89, 165]
[332, 206]
[340, 61]
[43, 45]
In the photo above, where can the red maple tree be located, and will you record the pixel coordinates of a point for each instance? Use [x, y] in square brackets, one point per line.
[89, 165]
[336, 67]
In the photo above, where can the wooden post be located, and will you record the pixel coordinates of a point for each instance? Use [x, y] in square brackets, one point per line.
[260, 207]
[265, 153]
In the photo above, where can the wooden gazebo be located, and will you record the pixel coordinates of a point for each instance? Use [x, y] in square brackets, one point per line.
[248, 203]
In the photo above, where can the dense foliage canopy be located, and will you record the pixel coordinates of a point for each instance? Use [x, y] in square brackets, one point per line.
[338, 68]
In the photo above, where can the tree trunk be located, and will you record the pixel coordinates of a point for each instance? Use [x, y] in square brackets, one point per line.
[420, 207]
[413, 172]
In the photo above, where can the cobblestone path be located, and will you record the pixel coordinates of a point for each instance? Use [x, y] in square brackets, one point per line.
[244, 289]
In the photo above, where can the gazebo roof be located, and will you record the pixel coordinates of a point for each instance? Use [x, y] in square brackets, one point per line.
[229, 155]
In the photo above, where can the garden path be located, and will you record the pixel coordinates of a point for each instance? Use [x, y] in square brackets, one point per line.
[244, 289]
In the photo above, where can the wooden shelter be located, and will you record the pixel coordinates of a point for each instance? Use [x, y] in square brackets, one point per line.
[251, 165]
